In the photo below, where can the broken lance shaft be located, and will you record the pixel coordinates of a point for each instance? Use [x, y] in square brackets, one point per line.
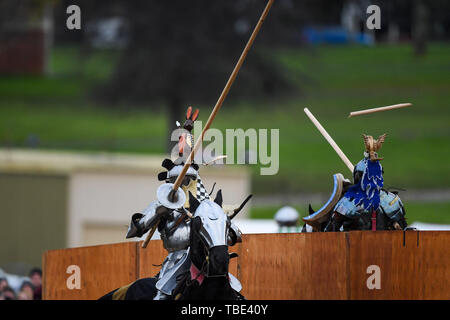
[379, 109]
[330, 140]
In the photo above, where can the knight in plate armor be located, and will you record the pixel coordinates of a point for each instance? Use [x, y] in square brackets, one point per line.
[363, 205]
[366, 196]
[174, 224]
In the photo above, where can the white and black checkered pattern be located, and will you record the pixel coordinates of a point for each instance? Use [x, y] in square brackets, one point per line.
[202, 194]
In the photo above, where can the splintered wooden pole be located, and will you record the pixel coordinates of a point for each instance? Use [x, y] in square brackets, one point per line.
[380, 109]
[329, 139]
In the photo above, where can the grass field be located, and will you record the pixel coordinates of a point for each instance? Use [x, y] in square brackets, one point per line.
[332, 81]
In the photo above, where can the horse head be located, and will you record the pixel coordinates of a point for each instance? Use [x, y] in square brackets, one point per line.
[209, 236]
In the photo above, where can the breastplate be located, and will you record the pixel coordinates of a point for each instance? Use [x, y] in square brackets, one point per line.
[177, 239]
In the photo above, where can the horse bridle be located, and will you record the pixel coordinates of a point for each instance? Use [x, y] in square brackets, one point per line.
[206, 262]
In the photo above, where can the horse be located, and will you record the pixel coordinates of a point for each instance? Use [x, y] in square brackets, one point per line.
[207, 278]
[210, 236]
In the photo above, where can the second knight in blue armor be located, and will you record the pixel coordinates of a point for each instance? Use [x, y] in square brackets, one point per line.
[363, 197]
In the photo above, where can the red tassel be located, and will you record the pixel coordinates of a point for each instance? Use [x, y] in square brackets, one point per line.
[181, 144]
[374, 220]
[188, 113]
[194, 117]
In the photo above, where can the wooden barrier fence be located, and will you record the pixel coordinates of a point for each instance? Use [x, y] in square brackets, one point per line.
[334, 265]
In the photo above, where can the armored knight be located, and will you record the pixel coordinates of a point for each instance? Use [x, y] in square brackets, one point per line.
[363, 205]
[173, 224]
[363, 197]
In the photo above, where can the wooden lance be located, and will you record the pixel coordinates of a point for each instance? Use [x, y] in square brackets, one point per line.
[329, 139]
[380, 109]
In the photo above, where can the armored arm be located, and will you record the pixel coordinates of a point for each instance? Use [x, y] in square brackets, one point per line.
[142, 222]
[358, 172]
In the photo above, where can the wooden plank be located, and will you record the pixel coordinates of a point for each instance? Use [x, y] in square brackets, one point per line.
[151, 258]
[409, 267]
[407, 280]
[293, 266]
[379, 249]
[434, 264]
[413, 265]
[102, 269]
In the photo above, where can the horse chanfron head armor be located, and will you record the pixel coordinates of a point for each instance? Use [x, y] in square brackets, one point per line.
[372, 146]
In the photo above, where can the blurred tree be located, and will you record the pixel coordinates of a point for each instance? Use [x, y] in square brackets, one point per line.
[182, 52]
[25, 36]
[14, 13]
[420, 27]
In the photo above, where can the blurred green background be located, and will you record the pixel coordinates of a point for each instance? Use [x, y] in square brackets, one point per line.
[60, 110]
[339, 80]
